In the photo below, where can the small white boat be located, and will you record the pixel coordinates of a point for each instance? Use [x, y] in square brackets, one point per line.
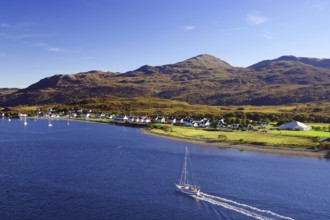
[50, 123]
[25, 122]
[187, 183]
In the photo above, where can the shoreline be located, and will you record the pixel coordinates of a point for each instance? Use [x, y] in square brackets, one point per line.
[296, 152]
[292, 152]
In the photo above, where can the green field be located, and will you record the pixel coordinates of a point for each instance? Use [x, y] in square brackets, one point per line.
[321, 134]
[318, 124]
[252, 137]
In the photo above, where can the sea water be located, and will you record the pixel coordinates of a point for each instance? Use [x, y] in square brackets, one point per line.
[98, 171]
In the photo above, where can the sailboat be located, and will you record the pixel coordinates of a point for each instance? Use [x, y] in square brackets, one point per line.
[187, 183]
[25, 122]
[49, 123]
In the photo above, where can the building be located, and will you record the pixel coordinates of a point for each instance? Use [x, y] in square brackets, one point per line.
[295, 126]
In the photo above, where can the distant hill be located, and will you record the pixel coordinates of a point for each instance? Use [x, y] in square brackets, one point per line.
[8, 90]
[4, 92]
[323, 63]
[203, 79]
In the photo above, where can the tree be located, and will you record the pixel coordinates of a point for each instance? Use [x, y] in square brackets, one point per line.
[227, 121]
[213, 124]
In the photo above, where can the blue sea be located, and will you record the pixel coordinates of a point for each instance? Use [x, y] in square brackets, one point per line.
[98, 171]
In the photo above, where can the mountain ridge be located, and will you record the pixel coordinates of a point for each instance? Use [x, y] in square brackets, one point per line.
[203, 79]
[316, 62]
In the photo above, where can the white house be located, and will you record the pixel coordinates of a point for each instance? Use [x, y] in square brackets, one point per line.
[22, 115]
[109, 117]
[84, 115]
[121, 118]
[295, 125]
[205, 124]
[188, 123]
[160, 120]
[101, 115]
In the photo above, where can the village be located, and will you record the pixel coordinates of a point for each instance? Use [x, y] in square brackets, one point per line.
[222, 124]
[232, 130]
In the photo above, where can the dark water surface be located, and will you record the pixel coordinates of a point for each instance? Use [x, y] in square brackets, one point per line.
[95, 171]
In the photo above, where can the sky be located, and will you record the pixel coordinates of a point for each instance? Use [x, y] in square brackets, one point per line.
[41, 38]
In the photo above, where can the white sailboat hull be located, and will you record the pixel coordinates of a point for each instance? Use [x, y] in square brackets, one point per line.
[188, 190]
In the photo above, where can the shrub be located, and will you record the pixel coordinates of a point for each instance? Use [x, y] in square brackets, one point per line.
[167, 128]
[154, 126]
[316, 139]
[222, 137]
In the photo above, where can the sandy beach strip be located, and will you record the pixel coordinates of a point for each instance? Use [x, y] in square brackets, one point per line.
[297, 152]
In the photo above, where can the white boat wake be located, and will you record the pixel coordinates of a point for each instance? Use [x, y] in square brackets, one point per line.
[241, 208]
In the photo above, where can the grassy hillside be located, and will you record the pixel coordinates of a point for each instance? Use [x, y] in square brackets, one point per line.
[156, 106]
[149, 106]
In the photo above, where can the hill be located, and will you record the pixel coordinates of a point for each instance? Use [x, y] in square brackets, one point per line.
[323, 63]
[203, 79]
[4, 92]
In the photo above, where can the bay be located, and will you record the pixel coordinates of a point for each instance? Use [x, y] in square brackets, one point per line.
[98, 171]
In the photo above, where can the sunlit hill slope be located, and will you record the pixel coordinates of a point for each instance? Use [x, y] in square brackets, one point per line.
[203, 79]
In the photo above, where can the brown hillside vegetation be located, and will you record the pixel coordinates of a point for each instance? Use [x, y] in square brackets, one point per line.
[204, 79]
[150, 106]
[156, 106]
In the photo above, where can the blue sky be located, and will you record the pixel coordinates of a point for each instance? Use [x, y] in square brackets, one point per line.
[41, 38]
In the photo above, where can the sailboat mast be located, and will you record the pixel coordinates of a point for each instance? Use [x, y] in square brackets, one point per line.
[185, 166]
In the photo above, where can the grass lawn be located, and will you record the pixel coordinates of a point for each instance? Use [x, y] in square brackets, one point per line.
[321, 134]
[271, 139]
[318, 125]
